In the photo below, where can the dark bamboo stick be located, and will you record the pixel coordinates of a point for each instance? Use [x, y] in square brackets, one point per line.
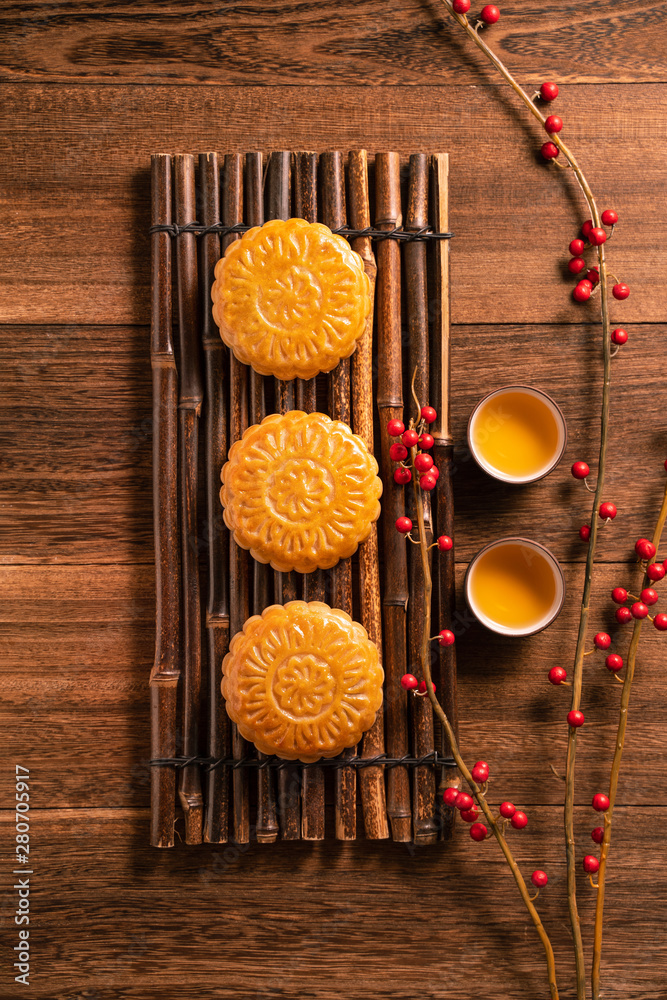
[390, 406]
[312, 813]
[443, 452]
[332, 180]
[305, 203]
[425, 829]
[285, 584]
[216, 818]
[239, 568]
[166, 669]
[373, 793]
[262, 590]
[191, 393]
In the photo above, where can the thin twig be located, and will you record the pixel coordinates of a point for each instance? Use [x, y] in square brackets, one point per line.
[616, 766]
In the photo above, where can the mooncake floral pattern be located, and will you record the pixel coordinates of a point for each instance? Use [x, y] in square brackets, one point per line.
[302, 681]
[291, 298]
[301, 491]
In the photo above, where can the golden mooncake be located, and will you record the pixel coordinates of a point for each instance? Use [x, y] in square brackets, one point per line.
[302, 681]
[291, 298]
[300, 491]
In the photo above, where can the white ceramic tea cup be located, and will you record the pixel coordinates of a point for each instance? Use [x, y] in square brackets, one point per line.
[528, 568]
[497, 416]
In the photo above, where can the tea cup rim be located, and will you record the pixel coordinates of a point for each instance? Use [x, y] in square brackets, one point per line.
[533, 544]
[496, 474]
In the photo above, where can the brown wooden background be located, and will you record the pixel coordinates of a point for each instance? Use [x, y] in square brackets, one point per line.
[88, 92]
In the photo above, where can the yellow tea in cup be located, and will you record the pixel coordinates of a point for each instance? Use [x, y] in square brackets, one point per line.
[515, 586]
[517, 434]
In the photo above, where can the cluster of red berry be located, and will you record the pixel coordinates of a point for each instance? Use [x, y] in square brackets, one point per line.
[470, 812]
[595, 236]
[421, 462]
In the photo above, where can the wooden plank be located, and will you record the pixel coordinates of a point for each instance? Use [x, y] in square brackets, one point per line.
[77, 644]
[90, 452]
[115, 915]
[328, 43]
[54, 138]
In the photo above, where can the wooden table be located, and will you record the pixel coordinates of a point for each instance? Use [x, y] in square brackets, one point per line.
[89, 93]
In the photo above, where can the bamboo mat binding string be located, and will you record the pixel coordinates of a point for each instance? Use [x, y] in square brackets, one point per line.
[279, 763]
[402, 235]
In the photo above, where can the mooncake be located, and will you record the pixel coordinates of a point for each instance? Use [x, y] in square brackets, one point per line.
[291, 298]
[302, 681]
[300, 490]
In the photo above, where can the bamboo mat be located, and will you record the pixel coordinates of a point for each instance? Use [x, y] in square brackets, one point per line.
[206, 586]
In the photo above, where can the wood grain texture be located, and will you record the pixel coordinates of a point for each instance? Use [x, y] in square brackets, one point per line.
[325, 43]
[128, 941]
[77, 583]
[494, 161]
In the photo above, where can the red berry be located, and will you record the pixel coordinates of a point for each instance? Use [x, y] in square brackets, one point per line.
[575, 719]
[649, 596]
[580, 470]
[480, 771]
[395, 428]
[435, 472]
[638, 610]
[428, 414]
[655, 571]
[597, 236]
[660, 622]
[577, 247]
[591, 864]
[600, 802]
[576, 265]
[557, 675]
[598, 834]
[550, 151]
[619, 336]
[582, 291]
[410, 438]
[553, 124]
[464, 801]
[619, 595]
[609, 217]
[398, 452]
[519, 820]
[584, 531]
[402, 476]
[425, 440]
[423, 462]
[586, 228]
[507, 809]
[620, 291]
[449, 795]
[478, 831]
[461, 6]
[593, 276]
[422, 687]
[539, 879]
[623, 615]
[404, 525]
[469, 815]
[427, 482]
[644, 548]
[446, 637]
[602, 640]
[409, 682]
[445, 543]
[489, 14]
[608, 511]
[614, 662]
[549, 91]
